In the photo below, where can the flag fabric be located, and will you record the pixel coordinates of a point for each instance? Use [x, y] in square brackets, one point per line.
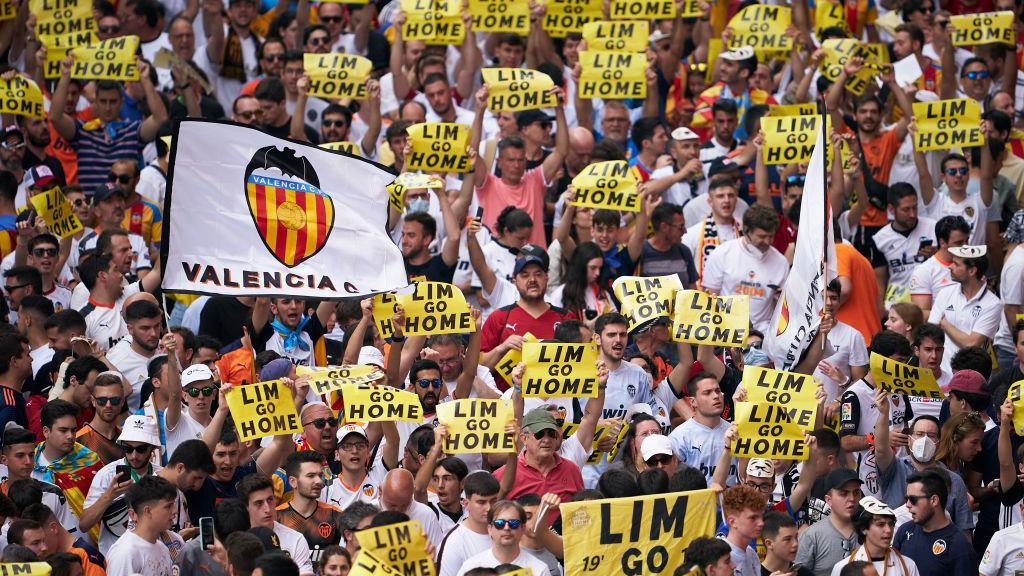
[798, 311]
[259, 215]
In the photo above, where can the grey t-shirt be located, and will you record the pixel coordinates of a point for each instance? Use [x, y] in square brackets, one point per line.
[822, 546]
[893, 487]
[195, 561]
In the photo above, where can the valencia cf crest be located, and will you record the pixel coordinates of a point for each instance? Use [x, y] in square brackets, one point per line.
[293, 216]
[325, 530]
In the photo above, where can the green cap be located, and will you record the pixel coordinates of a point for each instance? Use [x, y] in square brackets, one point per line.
[539, 419]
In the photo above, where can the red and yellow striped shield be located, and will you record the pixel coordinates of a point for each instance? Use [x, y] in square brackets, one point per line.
[293, 217]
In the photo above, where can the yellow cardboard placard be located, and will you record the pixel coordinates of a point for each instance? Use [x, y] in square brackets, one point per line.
[324, 380]
[763, 28]
[515, 89]
[384, 306]
[985, 28]
[701, 318]
[433, 21]
[438, 147]
[764, 385]
[773, 430]
[642, 10]
[402, 546]
[899, 378]
[432, 308]
[500, 16]
[637, 535]
[947, 124]
[64, 23]
[805, 109]
[617, 36]
[828, 14]
[644, 299]
[346, 147]
[21, 95]
[511, 359]
[55, 210]
[559, 370]
[112, 59]
[569, 428]
[789, 139]
[839, 50]
[616, 75]
[367, 563]
[263, 409]
[380, 404]
[608, 184]
[1016, 395]
[25, 569]
[336, 75]
[565, 16]
[476, 425]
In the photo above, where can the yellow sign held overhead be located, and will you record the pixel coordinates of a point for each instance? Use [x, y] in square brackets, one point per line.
[828, 14]
[565, 16]
[55, 210]
[380, 404]
[773, 431]
[623, 35]
[515, 89]
[112, 59]
[337, 75]
[947, 124]
[559, 370]
[1016, 396]
[324, 380]
[500, 16]
[8, 9]
[476, 425]
[438, 147]
[410, 181]
[641, 10]
[986, 28]
[511, 359]
[65, 23]
[569, 428]
[21, 96]
[403, 547]
[617, 75]
[608, 184]
[805, 109]
[433, 21]
[899, 378]
[702, 318]
[263, 409]
[839, 50]
[763, 28]
[789, 139]
[764, 385]
[644, 299]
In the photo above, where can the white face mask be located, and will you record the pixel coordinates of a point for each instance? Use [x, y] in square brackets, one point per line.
[923, 449]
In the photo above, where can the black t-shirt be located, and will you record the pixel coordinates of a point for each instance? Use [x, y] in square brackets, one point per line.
[202, 502]
[434, 270]
[222, 318]
[284, 130]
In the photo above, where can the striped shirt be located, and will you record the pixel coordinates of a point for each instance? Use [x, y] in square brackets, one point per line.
[99, 148]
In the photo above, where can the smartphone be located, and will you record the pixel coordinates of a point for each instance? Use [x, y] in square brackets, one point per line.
[479, 212]
[124, 473]
[206, 532]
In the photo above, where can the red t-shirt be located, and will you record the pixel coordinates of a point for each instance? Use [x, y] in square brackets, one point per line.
[513, 319]
[564, 479]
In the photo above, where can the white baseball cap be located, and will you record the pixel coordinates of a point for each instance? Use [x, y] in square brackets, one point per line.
[969, 251]
[196, 373]
[760, 468]
[654, 445]
[684, 133]
[347, 429]
[140, 428]
[739, 54]
[370, 355]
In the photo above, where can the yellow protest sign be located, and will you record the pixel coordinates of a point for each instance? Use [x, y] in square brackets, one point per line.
[367, 563]
[337, 75]
[702, 318]
[789, 139]
[8, 9]
[617, 75]
[438, 147]
[565, 16]
[559, 370]
[402, 546]
[25, 569]
[608, 184]
[805, 109]
[778, 387]
[986, 28]
[324, 380]
[263, 409]
[900, 378]
[64, 23]
[515, 89]
[773, 430]
[644, 299]
[839, 50]
[947, 124]
[407, 181]
[437, 308]
[1016, 395]
[112, 59]
[55, 210]
[21, 96]
[602, 430]
[762, 27]
[641, 10]
[346, 147]
[691, 9]
[433, 21]
[477, 425]
[624, 35]
[380, 404]
[828, 14]
[384, 306]
[500, 16]
[638, 535]
[511, 359]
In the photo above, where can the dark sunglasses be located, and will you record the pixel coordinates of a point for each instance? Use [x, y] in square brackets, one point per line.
[512, 524]
[195, 392]
[250, 114]
[40, 252]
[425, 383]
[274, 57]
[318, 41]
[659, 460]
[912, 500]
[78, 202]
[977, 75]
[140, 449]
[963, 170]
[110, 29]
[796, 179]
[104, 400]
[17, 146]
[544, 125]
[331, 19]
[546, 432]
[12, 287]
[334, 123]
[320, 423]
[122, 178]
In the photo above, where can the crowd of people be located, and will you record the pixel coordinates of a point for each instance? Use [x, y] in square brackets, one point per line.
[117, 440]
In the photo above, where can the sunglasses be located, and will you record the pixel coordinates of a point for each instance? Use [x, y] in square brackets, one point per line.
[12, 287]
[912, 500]
[274, 57]
[699, 67]
[195, 392]
[544, 125]
[977, 75]
[104, 400]
[78, 202]
[334, 123]
[40, 252]
[17, 146]
[546, 432]
[110, 29]
[140, 449]
[250, 114]
[122, 178]
[331, 19]
[320, 423]
[318, 41]
[425, 383]
[659, 460]
[797, 179]
[963, 170]
[512, 524]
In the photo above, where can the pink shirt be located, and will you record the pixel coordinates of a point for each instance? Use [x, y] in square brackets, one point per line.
[564, 479]
[528, 196]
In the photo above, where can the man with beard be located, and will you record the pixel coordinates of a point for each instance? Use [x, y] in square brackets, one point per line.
[37, 138]
[305, 513]
[450, 354]
[141, 215]
[199, 390]
[18, 447]
[967, 310]
[108, 209]
[320, 433]
[99, 434]
[336, 120]
[12, 151]
[131, 356]
[903, 243]
[628, 384]
[107, 294]
[281, 325]
[952, 198]
[932, 541]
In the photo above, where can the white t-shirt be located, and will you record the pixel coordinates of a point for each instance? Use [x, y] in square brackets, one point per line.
[736, 268]
[845, 348]
[105, 324]
[691, 239]
[745, 560]
[294, 543]
[1011, 291]
[698, 208]
[486, 559]
[428, 520]
[132, 365]
[979, 315]
[40, 357]
[681, 192]
[60, 296]
[140, 257]
[187, 428]
[901, 250]
[1005, 553]
[115, 521]
[152, 184]
[893, 563]
[341, 496]
[700, 446]
[132, 554]
[930, 276]
[972, 208]
[459, 545]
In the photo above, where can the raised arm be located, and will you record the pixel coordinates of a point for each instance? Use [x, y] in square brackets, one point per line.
[213, 27]
[888, 76]
[1004, 448]
[363, 17]
[988, 170]
[924, 175]
[563, 233]
[173, 384]
[947, 84]
[464, 383]
[592, 411]
[553, 163]
[470, 59]
[884, 454]
[426, 472]
[64, 124]
[394, 363]
[371, 115]
[157, 111]
[477, 259]
[479, 167]
[398, 72]
[297, 126]
[636, 239]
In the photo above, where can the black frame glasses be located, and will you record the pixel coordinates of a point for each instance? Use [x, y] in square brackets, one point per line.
[321, 423]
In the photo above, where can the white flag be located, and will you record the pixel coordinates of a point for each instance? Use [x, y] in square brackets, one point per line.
[250, 214]
[797, 313]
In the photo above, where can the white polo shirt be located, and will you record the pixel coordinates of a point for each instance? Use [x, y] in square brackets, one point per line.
[1011, 291]
[736, 268]
[979, 315]
[930, 276]
[901, 250]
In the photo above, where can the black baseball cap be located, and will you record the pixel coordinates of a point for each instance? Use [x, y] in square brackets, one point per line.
[840, 476]
[527, 117]
[531, 254]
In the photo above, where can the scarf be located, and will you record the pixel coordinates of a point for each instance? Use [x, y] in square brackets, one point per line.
[110, 128]
[232, 64]
[708, 241]
[73, 474]
[292, 338]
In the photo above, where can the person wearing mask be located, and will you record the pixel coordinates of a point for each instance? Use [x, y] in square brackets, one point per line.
[257, 491]
[875, 523]
[932, 541]
[141, 549]
[831, 540]
[506, 526]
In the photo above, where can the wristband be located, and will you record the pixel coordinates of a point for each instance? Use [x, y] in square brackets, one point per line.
[397, 339]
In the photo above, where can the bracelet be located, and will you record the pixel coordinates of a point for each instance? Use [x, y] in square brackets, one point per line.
[397, 339]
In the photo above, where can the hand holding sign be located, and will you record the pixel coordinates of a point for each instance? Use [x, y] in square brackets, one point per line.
[263, 409]
[899, 378]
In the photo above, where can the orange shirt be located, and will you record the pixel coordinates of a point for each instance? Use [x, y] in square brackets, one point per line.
[880, 154]
[861, 309]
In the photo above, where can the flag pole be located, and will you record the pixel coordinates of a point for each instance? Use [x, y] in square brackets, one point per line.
[824, 187]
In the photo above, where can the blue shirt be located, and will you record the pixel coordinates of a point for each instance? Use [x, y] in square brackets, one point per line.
[944, 551]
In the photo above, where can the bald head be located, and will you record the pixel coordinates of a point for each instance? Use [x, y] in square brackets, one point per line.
[581, 144]
[1002, 102]
[396, 491]
[140, 296]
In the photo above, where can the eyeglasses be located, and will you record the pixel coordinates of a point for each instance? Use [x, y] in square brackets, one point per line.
[274, 57]
[331, 19]
[350, 446]
[334, 123]
[545, 432]
[250, 114]
[796, 179]
[17, 146]
[109, 29]
[78, 202]
[698, 67]
[141, 449]
[318, 41]
[765, 488]
[963, 170]
[976, 75]
[195, 392]
[427, 383]
[40, 252]
[912, 500]
[320, 423]
[659, 460]
[449, 361]
[104, 400]
[12, 287]
[122, 178]
[512, 524]
[748, 347]
[544, 125]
